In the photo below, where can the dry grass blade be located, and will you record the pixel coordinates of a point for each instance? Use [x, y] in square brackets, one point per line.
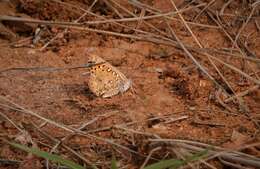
[149, 156]
[158, 12]
[12, 122]
[193, 59]
[209, 4]
[244, 93]
[244, 25]
[63, 145]
[235, 69]
[225, 6]
[229, 155]
[173, 70]
[240, 101]
[66, 29]
[66, 128]
[152, 37]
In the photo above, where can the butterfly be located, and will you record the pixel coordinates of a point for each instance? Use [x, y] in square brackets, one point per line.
[105, 80]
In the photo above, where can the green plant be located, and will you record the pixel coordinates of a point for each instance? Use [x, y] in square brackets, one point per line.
[46, 155]
[175, 163]
[163, 164]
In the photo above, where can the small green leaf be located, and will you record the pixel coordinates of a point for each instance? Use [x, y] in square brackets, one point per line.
[46, 155]
[174, 163]
[165, 164]
[197, 156]
[113, 163]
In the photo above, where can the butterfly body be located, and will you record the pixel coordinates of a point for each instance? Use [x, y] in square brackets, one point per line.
[105, 80]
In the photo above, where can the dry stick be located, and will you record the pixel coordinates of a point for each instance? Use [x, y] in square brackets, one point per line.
[136, 18]
[217, 95]
[239, 99]
[115, 22]
[207, 146]
[21, 109]
[230, 155]
[64, 146]
[225, 6]
[198, 146]
[13, 123]
[197, 41]
[113, 8]
[149, 156]
[244, 93]
[210, 60]
[176, 119]
[230, 54]
[222, 28]
[79, 28]
[128, 124]
[243, 26]
[190, 55]
[231, 164]
[139, 23]
[169, 42]
[36, 21]
[209, 4]
[186, 25]
[180, 154]
[235, 69]
[224, 153]
[173, 43]
[103, 17]
[141, 18]
[66, 128]
[142, 5]
[125, 19]
[50, 69]
[164, 41]
[257, 25]
[200, 160]
[218, 22]
[253, 163]
[240, 50]
[239, 17]
[60, 142]
[190, 3]
[66, 29]
[156, 11]
[227, 154]
[9, 162]
[28, 20]
[110, 142]
[137, 132]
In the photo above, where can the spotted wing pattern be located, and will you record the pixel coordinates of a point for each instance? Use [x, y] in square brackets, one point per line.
[106, 80]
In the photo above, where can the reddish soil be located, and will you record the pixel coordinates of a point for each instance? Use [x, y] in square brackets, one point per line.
[166, 85]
